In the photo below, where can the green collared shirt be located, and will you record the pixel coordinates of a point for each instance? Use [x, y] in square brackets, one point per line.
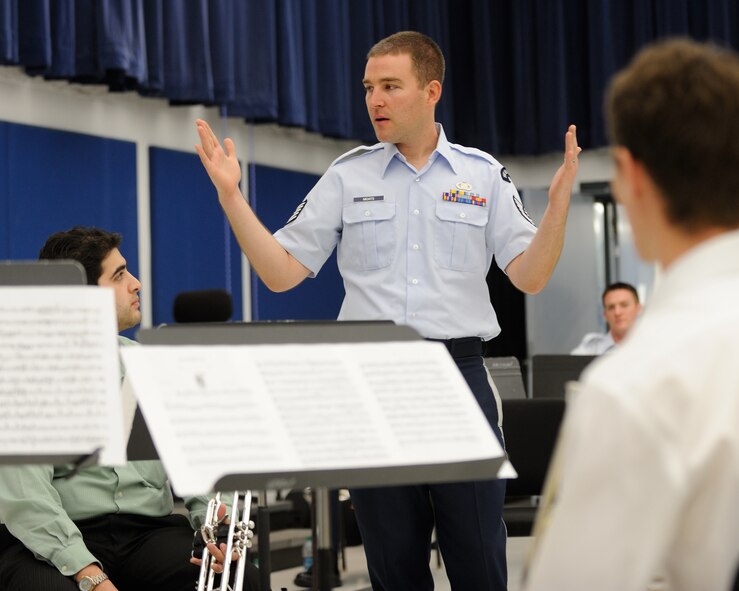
[39, 506]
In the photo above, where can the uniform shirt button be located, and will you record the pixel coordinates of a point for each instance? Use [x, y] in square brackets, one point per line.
[120, 494]
[416, 212]
[463, 215]
[416, 247]
[413, 315]
[367, 213]
[414, 281]
[418, 179]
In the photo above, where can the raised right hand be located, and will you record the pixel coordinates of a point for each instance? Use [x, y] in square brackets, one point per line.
[221, 163]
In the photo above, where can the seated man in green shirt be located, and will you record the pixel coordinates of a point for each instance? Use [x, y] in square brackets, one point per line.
[105, 528]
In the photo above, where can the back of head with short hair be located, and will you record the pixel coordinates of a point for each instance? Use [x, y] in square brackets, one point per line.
[426, 57]
[619, 285]
[88, 246]
[676, 109]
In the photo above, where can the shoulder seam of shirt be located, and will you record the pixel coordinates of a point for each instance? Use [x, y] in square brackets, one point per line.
[475, 152]
[355, 153]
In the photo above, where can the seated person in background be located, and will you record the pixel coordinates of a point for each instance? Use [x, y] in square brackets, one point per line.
[104, 528]
[648, 458]
[620, 307]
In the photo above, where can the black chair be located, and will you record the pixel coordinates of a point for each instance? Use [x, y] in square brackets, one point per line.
[205, 305]
[530, 428]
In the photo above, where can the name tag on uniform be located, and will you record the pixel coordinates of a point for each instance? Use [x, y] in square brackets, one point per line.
[369, 198]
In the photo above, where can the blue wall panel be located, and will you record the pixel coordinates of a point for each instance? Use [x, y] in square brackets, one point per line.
[52, 180]
[192, 246]
[275, 193]
[4, 193]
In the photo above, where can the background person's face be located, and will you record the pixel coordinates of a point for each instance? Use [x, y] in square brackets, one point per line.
[125, 287]
[620, 309]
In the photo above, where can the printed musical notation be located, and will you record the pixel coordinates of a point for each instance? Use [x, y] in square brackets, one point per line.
[280, 408]
[59, 372]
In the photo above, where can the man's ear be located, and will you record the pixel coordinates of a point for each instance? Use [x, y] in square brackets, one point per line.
[625, 163]
[633, 172]
[433, 91]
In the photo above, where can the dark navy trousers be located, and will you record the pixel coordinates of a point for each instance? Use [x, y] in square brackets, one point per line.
[396, 522]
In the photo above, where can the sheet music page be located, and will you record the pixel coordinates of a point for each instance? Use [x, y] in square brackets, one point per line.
[217, 410]
[59, 372]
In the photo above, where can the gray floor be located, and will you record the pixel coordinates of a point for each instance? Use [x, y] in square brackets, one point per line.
[355, 578]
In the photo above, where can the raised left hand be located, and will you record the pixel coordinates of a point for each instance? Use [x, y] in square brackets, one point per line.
[564, 179]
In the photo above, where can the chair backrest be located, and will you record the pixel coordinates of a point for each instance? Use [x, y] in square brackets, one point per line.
[530, 429]
[506, 373]
[204, 305]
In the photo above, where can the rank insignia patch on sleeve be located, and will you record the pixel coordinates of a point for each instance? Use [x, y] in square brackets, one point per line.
[297, 211]
[522, 209]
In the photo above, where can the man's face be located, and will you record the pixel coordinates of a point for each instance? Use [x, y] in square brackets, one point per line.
[620, 309]
[398, 106]
[125, 287]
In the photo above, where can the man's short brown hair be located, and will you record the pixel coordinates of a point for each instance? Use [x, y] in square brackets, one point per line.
[676, 109]
[426, 57]
[619, 285]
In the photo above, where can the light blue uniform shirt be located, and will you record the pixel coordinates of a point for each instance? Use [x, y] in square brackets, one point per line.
[405, 252]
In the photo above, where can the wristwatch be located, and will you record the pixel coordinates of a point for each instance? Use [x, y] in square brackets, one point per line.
[87, 583]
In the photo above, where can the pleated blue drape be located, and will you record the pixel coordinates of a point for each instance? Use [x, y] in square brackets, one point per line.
[518, 70]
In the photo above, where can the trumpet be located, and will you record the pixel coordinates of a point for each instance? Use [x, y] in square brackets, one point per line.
[238, 540]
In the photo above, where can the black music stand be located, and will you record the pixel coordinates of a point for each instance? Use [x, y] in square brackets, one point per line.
[321, 480]
[56, 272]
[550, 373]
[45, 273]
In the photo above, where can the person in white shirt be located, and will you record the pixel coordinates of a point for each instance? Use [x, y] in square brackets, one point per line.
[621, 308]
[648, 462]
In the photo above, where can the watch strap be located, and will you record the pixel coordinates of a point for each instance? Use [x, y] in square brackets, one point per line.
[95, 580]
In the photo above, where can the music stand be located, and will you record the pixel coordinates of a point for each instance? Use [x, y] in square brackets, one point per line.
[506, 373]
[316, 332]
[550, 373]
[45, 273]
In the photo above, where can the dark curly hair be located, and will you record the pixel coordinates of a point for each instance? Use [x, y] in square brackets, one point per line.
[88, 246]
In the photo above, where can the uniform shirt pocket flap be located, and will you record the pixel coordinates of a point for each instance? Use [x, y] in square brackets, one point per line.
[355, 213]
[461, 213]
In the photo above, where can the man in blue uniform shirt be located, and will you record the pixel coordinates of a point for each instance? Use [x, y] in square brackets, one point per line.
[621, 308]
[416, 222]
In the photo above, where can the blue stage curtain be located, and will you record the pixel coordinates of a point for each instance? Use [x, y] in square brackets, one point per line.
[518, 71]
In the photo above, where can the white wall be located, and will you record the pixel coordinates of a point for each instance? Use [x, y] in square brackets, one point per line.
[148, 122]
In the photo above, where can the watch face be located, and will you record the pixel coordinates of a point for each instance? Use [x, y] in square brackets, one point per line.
[85, 584]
